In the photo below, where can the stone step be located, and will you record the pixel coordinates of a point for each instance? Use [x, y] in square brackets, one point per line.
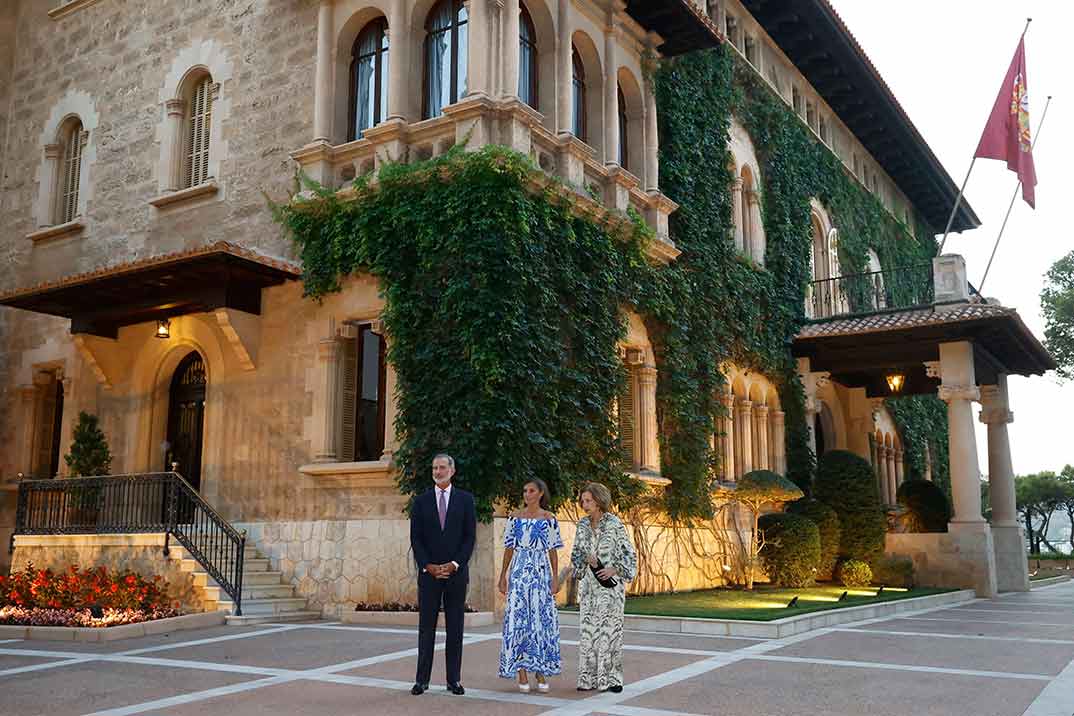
[272, 605]
[202, 580]
[250, 565]
[252, 619]
[269, 591]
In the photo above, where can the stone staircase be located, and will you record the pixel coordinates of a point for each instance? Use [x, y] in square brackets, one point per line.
[266, 596]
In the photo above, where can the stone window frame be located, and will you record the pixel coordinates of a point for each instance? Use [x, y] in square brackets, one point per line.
[68, 7]
[79, 106]
[191, 64]
[49, 375]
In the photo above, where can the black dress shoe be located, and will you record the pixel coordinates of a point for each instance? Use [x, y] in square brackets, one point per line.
[456, 689]
[618, 688]
[419, 689]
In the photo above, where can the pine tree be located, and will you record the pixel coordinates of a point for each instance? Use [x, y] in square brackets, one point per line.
[89, 451]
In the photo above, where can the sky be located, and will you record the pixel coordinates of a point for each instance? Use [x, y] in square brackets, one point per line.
[945, 60]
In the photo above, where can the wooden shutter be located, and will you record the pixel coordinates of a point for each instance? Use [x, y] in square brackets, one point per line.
[627, 428]
[70, 174]
[348, 401]
[197, 135]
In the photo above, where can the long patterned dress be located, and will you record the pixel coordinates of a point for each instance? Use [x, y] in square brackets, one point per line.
[600, 649]
[530, 620]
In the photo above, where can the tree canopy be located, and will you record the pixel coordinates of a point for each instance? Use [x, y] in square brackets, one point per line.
[1057, 306]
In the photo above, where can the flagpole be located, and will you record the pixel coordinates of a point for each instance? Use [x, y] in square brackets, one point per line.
[1014, 197]
[962, 189]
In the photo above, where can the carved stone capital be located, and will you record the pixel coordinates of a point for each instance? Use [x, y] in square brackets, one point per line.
[822, 379]
[328, 350]
[761, 411]
[996, 416]
[53, 151]
[932, 369]
[647, 375]
[959, 392]
[175, 107]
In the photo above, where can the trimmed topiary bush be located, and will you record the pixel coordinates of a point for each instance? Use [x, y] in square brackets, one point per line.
[827, 522]
[926, 506]
[791, 549]
[855, 573]
[846, 483]
[894, 570]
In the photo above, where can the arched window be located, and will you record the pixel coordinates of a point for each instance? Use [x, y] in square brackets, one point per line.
[199, 113]
[369, 78]
[445, 56]
[623, 127]
[578, 123]
[527, 59]
[73, 142]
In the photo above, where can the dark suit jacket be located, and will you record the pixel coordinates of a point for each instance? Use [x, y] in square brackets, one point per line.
[455, 543]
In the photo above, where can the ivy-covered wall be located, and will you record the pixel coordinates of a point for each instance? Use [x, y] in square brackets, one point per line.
[505, 309]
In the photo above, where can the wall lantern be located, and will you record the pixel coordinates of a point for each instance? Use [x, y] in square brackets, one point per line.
[895, 382]
[164, 328]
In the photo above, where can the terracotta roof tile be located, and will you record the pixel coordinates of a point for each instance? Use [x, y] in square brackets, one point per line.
[897, 320]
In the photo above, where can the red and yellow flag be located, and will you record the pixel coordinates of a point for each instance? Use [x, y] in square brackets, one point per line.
[1006, 135]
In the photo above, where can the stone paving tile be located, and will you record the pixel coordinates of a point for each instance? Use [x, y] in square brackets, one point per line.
[480, 665]
[13, 662]
[977, 627]
[93, 686]
[324, 699]
[673, 641]
[1047, 659]
[297, 649]
[753, 688]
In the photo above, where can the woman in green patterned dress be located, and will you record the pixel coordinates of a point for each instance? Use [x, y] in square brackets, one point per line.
[602, 552]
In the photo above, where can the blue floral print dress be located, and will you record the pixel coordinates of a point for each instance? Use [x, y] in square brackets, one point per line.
[530, 620]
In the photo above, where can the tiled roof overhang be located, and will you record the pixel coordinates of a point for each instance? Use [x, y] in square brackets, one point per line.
[99, 302]
[817, 41]
[858, 351]
[680, 22]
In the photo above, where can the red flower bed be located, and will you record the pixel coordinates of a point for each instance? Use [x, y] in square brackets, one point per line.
[41, 597]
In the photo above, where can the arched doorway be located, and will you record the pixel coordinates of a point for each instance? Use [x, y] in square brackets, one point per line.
[186, 418]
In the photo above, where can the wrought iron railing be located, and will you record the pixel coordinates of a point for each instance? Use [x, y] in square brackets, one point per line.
[123, 504]
[872, 292]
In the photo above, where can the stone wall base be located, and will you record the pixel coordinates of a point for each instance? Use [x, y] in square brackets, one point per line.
[140, 553]
[1012, 568]
[963, 557]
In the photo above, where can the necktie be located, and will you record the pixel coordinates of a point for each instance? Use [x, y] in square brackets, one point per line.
[443, 508]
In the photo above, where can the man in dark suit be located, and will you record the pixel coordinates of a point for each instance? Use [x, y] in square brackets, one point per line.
[443, 524]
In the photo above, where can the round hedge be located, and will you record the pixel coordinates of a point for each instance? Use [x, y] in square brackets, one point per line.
[927, 508]
[855, 573]
[827, 522]
[846, 483]
[791, 549]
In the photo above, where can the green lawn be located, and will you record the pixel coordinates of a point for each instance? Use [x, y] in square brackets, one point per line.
[763, 603]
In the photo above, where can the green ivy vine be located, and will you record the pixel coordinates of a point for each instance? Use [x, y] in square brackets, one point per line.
[505, 308]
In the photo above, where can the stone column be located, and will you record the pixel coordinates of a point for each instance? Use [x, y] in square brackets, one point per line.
[760, 435]
[1008, 534]
[391, 440]
[176, 109]
[736, 208]
[650, 449]
[745, 432]
[753, 209]
[611, 93]
[727, 453]
[328, 351]
[928, 462]
[882, 472]
[893, 476]
[973, 552]
[779, 442]
[50, 180]
[322, 89]
[652, 141]
[874, 460]
[511, 21]
[398, 60]
[564, 68]
[899, 475]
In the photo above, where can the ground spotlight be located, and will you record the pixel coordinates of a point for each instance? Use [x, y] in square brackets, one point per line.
[843, 596]
[880, 591]
[793, 602]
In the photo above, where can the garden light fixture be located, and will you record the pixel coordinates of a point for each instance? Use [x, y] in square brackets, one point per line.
[895, 382]
[793, 602]
[880, 591]
[164, 328]
[843, 596]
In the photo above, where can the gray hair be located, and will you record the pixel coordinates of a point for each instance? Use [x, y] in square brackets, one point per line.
[445, 456]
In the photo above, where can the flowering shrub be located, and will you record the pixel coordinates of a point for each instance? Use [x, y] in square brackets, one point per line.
[41, 597]
[395, 607]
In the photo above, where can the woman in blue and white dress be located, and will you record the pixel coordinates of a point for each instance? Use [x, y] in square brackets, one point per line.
[529, 581]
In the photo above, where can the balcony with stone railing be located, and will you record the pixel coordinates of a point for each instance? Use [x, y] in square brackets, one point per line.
[605, 192]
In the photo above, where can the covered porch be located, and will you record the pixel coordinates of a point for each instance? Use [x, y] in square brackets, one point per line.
[951, 342]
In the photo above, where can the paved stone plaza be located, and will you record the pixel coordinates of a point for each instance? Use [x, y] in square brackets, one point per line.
[1008, 656]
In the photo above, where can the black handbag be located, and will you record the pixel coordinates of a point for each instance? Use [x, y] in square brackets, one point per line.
[609, 582]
